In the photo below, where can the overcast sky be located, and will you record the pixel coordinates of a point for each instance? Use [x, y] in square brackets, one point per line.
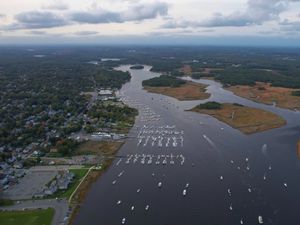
[240, 22]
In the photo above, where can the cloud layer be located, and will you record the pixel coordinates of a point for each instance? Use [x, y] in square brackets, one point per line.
[49, 19]
[256, 13]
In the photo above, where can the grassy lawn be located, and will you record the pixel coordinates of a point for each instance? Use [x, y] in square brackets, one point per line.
[79, 174]
[28, 217]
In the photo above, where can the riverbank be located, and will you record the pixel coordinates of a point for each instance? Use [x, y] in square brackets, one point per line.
[266, 94]
[186, 92]
[245, 119]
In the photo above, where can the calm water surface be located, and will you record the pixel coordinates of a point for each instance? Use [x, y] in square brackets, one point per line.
[232, 178]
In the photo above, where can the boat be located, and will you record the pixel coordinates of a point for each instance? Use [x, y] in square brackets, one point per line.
[147, 207]
[184, 192]
[249, 190]
[260, 220]
[285, 184]
[119, 202]
[241, 221]
[123, 221]
[159, 184]
[164, 162]
[114, 182]
[221, 177]
[187, 185]
[230, 207]
[229, 191]
[120, 174]
[138, 190]
[132, 208]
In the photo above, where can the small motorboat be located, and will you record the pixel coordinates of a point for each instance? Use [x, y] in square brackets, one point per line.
[138, 190]
[132, 208]
[114, 182]
[159, 184]
[147, 207]
[260, 220]
[249, 190]
[285, 184]
[119, 202]
[184, 192]
[230, 207]
[221, 178]
[123, 221]
[187, 185]
[229, 191]
[241, 221]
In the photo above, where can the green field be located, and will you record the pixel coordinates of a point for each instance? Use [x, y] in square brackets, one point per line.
[28, 217]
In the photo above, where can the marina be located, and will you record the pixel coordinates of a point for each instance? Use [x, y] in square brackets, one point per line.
[217, 170]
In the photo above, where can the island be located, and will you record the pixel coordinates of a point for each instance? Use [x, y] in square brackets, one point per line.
[246, 119]
[137, 67]
[176, 88]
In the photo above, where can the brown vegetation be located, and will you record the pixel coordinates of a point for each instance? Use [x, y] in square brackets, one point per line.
[98, 148]
[188, 91]
[265, 93]
[247, 120]
[298, 148]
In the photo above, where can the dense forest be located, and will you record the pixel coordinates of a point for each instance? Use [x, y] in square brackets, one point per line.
[163, 81]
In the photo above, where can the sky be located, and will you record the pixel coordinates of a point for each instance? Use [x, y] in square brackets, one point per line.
[151, 22]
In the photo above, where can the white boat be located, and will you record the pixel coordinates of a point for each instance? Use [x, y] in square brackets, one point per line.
[138, 190]
[119, 202]
[270, 167]
[260, 220]
[247, 159]
[221, 177]
[187, 185]
[230, 207]
[123, 221]
[285, 184]
[249, 190]
[231, 162]
[114, 182]
[147, 207]
[229, 191]
[241, 221]
[132, 208]
[159, 184]
[184, 192]
[265, 177]
[164, 162]
[120, 174]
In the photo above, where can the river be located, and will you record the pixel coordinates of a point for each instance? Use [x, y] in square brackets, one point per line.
[229, 178]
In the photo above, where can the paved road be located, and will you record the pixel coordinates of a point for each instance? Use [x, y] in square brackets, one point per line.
[61, 208]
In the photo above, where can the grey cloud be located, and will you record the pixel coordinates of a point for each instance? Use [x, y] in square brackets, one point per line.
[142, 11]
[36, 20]
[37, 32]
[99, 16]
[135, 12]
[289, 26]
[86, 33]
[256, 13]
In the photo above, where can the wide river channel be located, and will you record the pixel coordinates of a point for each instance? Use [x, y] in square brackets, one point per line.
[183, 168]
